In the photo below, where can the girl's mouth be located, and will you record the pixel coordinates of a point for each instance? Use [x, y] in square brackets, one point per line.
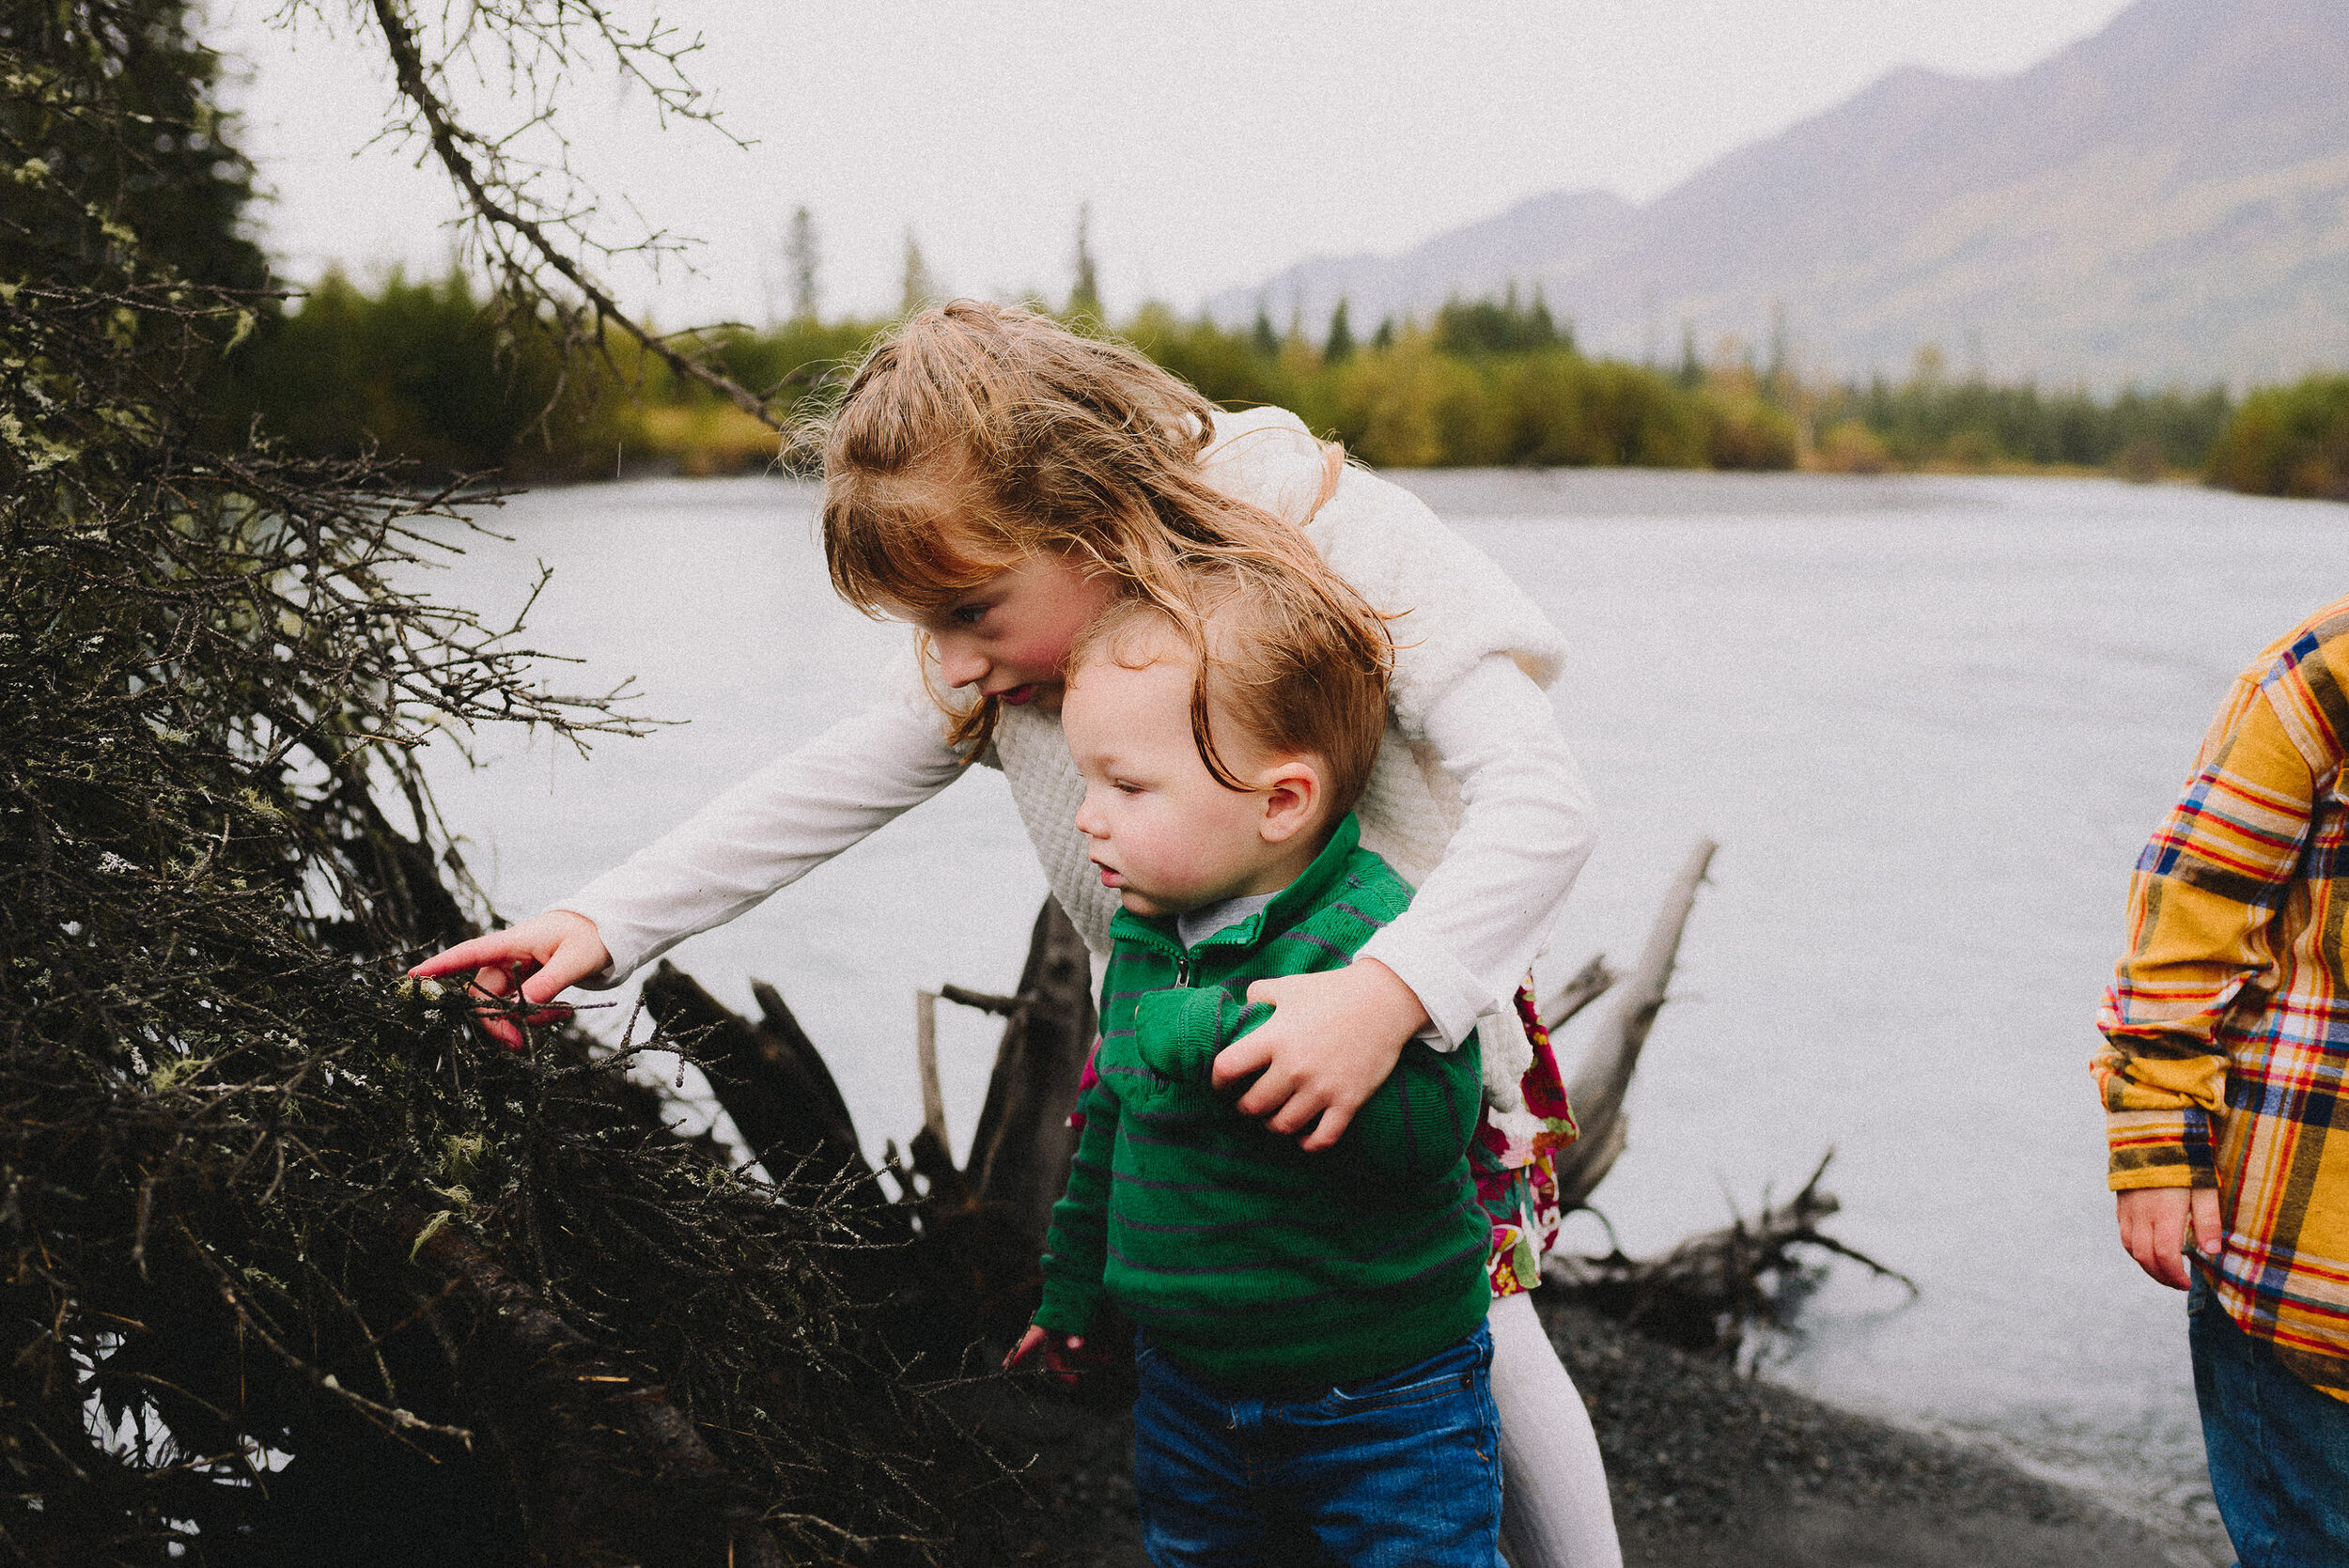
[1019, 696]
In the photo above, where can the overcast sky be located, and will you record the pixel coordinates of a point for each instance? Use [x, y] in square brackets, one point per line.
[1218, 142]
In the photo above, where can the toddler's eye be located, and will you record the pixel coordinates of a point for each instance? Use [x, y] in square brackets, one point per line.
[1123, 787]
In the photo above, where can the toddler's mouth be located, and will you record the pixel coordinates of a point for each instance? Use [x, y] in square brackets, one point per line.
[1110, 876]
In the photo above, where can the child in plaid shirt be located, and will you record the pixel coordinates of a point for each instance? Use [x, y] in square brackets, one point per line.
[2227, 1045]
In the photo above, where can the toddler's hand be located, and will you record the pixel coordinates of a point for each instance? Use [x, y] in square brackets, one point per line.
[538, 959]
[1332, 1039]
[1064, 1361]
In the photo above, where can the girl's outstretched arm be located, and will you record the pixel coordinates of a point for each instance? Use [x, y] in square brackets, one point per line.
[760, 835]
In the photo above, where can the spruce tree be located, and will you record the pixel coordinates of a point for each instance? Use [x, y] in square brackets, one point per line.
[1261, 337]
[1339, 346]
[1084, 294]
[918, 289]
[803, 255]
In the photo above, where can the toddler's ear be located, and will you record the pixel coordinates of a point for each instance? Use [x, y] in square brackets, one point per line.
[1291, 790]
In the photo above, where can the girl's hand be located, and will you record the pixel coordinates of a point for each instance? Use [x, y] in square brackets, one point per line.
[1062, 1360]
[1332, 1039]
[542, 956]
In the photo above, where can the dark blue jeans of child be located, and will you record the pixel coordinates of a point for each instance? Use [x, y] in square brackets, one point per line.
[2279, 1449]
[1396, 1471]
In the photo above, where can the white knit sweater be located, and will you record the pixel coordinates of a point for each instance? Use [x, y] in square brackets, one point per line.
[1474, 799]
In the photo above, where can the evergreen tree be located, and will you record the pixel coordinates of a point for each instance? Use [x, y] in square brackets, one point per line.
[803, 255]
[1776, 376]
[1692, 374]
[178, 189]
[1384, 337]
[1543, 330]
[919, 289]
[1084, 295]
[1261, 337]
[1339, 346]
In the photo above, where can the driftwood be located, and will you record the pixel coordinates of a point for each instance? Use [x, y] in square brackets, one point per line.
[1715, 1291]
[1587, 985]
[768, 1076]
[1603, 1075]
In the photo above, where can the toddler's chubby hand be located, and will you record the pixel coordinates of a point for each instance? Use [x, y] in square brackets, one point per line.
[1064, 1354]
[538, 960]
[1332, 1039]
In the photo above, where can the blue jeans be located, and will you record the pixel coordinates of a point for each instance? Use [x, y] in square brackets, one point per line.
[2279, 1449]
[1399, 1469]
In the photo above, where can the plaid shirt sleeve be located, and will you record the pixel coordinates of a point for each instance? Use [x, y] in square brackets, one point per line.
[2206, 939]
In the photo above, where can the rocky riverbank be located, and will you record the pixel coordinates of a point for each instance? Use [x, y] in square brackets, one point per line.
[1708, 1469]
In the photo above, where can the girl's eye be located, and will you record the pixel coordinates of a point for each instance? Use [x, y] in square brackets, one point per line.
[967, 615]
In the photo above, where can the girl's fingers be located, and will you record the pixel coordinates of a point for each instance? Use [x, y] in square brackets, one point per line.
[566, 967]
[1335, 1121]
[479, 952]
[1240, 1059]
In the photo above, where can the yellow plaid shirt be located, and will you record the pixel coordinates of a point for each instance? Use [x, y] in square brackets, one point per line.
[2227, 1025]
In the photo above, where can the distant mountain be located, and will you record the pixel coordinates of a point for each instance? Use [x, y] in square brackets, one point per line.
[2166, 201]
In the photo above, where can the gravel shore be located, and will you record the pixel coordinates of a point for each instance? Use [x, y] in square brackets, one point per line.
[1707, 1469]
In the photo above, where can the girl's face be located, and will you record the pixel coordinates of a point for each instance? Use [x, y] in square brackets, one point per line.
[1009, 636]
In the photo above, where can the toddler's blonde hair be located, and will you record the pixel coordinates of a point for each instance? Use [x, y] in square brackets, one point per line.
[1289, 667]
[975, 437]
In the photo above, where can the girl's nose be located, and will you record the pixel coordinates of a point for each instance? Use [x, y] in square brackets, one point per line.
[958, 666]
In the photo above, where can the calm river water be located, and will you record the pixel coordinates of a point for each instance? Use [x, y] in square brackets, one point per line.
[1929, 719]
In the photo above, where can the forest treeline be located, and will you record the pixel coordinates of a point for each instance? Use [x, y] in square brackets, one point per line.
[428, 370]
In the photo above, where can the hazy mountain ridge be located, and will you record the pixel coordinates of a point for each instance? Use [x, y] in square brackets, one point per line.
[2166, 201]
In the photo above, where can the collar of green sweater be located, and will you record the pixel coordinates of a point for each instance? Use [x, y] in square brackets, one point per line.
[1312, 889]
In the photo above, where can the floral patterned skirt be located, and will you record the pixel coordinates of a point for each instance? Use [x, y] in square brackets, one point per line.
[1515, 1170]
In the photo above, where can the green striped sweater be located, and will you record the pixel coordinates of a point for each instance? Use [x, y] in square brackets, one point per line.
[1247, 1259]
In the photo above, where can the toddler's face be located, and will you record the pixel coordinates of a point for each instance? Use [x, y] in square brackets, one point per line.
[1162, 831]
